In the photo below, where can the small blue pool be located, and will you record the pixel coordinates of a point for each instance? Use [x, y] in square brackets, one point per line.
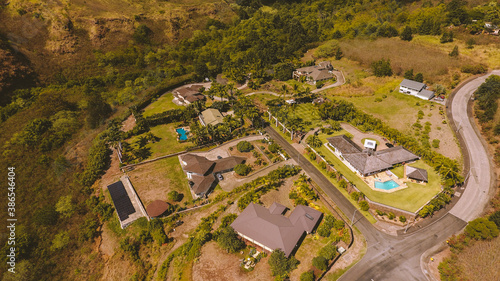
[182, 134]
[386, 185]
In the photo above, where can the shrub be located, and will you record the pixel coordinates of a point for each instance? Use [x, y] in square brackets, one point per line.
[242, 169]
[402, 219]
[481, 229]
[320, 263]
[175, 196]
[244, 146]
[355, 196]
[380, 213]
[435, 143]
[312, 156]
[280, 265]
[338, 224]
[307, 276]
[391, 215]
[229, 241]
[474, 69]
[328, 252]
[274, 148]
[322, 165]
[364, 205]
[382, 68]
[495, 217]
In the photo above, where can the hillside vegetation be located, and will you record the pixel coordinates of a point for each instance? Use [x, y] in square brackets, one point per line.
[76, 69]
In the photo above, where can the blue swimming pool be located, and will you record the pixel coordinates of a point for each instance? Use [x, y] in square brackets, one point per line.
[182, 134]
[386, 185]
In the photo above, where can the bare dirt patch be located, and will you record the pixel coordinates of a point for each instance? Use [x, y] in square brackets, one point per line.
[216, 264]
[281, 195]
[128, 124]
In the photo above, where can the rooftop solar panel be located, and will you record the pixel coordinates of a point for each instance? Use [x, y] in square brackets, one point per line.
[120, 198]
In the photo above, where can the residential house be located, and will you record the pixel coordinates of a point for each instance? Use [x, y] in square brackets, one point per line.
[269, 229]
[313, 74]
[201, 172]
[416, 89]
[211, 116]
[367, 162]
[188, 95]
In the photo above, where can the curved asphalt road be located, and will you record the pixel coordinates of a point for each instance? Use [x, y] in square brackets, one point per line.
[398, 258]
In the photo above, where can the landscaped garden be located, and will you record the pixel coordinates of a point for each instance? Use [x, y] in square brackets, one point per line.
[409, 199]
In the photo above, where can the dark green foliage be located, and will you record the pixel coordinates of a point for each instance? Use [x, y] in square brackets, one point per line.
[320, 263]
[446, 37]
[229, 241]
[244, 146]
[387, 30]
[34, 132]
[274, 148]
[175, 196]
[99, 206]
[481, 229]
[409, 74]
[474, 69]
[242, 169]
[487, 95]
[338, 224]
[46, 216]
[454, 53]
[402, 219]
[457, 14]
[407, 34]
[307, 276]
[314, 141]
[97, 163]
[495, 217]
[364, 205]
[280, 265]
[391, 215]
[283, 71]
[142, 34]
[382, 68]
[419, 77]
[329, 252]
[228, 220]
[88, 230]
[131, 247]
[326, 226]
[97, 110]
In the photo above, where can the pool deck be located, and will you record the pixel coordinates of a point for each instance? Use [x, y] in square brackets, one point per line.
[383, 177]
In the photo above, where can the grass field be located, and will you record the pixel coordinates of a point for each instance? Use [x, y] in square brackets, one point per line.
[163, 103]
[168, 141]
[154, 180]
[309, 113]
[409, 199]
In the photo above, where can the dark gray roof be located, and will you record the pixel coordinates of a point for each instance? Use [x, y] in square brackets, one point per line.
[344, 144]
[414, 85]
[426, 94]
[370, 162]
[306, 216]
[274, 230]
[416, 173]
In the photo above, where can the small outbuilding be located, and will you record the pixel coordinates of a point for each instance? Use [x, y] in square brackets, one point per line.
[157, 208]
[416, 174]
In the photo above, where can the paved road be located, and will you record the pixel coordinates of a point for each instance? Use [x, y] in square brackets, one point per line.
[398, 258]
[475, 198]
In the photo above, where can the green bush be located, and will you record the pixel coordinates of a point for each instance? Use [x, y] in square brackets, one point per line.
[391, 215]
[175, 196]
[274, 148]
[380, 213]
[364, 205]
[244, 146]
[495, 217]
[382, 68]
[329, 252]
[402, 219]
[242, 169]
[320, 263]
[481, 229]
[280, 265]
[307, 276]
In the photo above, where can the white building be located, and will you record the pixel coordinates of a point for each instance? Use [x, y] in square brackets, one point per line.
[416, 89]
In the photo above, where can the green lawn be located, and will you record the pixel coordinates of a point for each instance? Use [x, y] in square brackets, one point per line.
[309, 113]
[163, 103]
[168, 141]
[409, 199]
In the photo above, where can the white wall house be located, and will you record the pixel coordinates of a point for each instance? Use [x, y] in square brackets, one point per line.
[416, 89]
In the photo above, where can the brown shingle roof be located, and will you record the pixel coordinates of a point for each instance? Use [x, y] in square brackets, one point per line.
[202, 184]
[197, 164]
[367, 163]
[416, 173]
[272, 230]
[157, 208]
[228, 163]
[306, 216]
